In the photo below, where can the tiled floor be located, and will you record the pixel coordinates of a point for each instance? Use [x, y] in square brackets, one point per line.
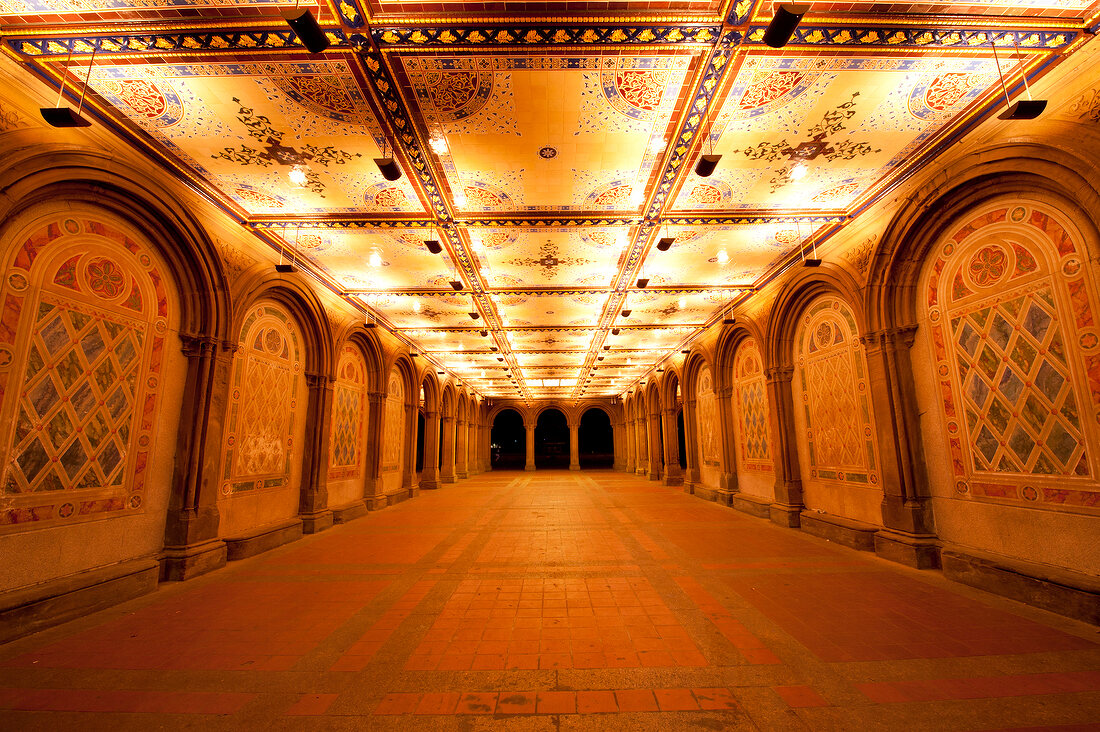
[559, 600]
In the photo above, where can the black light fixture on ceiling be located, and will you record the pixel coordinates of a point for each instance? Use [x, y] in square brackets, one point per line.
[786, 19]
[707, 163]
[484, 333]
[386, 165]
[58, 116]
[614, 331]
[626, 312]
[433, 246]
[474, 315]
[1023, 108]
[665, 241]
[305, 26]
[288, 267]
[813, 261]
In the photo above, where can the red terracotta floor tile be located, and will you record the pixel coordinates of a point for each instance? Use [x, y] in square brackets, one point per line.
[800, 696]
[596, 702]
[312, 704]
[397, 703]
[636, 700]
[513, 702]
[556, 702]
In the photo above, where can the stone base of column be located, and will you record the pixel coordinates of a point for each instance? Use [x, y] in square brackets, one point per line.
[316, 522]
[352, 511]
[462, 475]
[653, 475]
[530, 468]
[448, 479]
[179, 563]
[673, 477]
[784, 515]
[848, 532]
[29, 610]
[752, 505]
[377, 502]
[921, 551]
[689, 488]
[263, 538]
[574, 466]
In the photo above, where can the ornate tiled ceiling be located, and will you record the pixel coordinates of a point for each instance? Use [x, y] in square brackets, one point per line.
[546, 150]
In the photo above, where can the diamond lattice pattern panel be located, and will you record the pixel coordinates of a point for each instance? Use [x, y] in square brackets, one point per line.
[1021, 411]
[80, 383]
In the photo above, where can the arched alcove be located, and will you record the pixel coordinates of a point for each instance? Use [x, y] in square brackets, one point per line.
[596, 440]
[551, 440]
[507, 442]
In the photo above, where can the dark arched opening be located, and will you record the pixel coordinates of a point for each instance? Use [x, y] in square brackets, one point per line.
[508, 441]
[552, 440]
[419, 441]
[596, 440]
[681, 441]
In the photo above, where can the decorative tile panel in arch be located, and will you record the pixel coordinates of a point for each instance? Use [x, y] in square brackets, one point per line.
[394, 428]
[833, 377]
[348, 402]
[752, 408]
[82, 338]
[707, 417]
[263, 403]
[1011, 305]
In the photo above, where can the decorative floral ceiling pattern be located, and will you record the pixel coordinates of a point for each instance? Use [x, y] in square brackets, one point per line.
[547, 158]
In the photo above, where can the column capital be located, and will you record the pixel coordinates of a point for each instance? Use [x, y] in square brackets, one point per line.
[316, 379]
[886, 337]
[779, 374]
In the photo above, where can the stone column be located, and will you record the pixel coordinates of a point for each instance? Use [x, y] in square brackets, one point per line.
[671, 473]
[313, 491]
[461, 450]
[574, 446]
[630, 445]
[374, 495]
[616, 428]
[909, 534]
[447, 473]
[727, 482]
[641, 445]
[530, 465]
[429, 476]
[652, 435]
[787, 506]
[191, 543]
[410, 480]
[691, 446]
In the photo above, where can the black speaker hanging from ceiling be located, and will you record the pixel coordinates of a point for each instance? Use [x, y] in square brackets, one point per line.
[305, 26]
[786, 19]
[58, 116]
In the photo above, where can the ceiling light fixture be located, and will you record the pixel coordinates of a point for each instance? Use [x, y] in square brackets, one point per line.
[614, 331]
[626, 312]
[375, 259]
[484, 333]
[786, 19]
[474, 315]
[305, 26]
[722, 256]
[386, 165]
[807, 261]
[288, 267]
[433, 246]
[298, 176]
[798, 172]
[707, 163]
[58, 116]
[1023, 108]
